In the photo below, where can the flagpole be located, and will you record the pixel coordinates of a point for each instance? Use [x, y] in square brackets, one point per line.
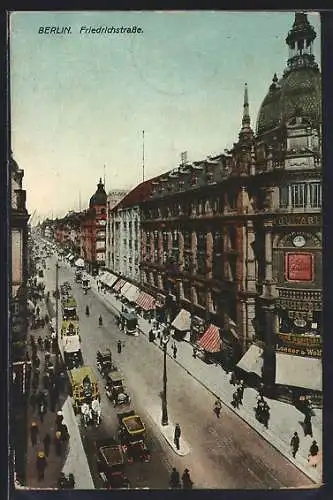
[143, 156]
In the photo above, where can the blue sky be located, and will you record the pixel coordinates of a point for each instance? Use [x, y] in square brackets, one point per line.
[80, 102]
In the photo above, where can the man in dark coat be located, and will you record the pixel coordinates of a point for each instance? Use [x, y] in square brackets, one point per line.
[174, 348]
[186, 480]
[33, 401]
[34, 433]
[177, 436]
[47, 444]
[119, 346]
[294, 444]
[240, 390]
[174, 479]
[314, 449]
[307, 425]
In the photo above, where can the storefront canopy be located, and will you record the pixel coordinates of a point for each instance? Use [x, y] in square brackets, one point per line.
[145, 301]
[132, 293]
[182, 321]
[125, 287]
[79, 262]
[108, 279]
[252, 361]
[118, 285]
[211, 341]
[298, 371]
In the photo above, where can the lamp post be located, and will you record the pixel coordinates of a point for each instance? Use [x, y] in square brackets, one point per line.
[165, 340]
[57, 298]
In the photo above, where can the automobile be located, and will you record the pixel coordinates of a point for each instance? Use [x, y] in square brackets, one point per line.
[131, 434]
[104, 362]
[111, 463]
[83, 386]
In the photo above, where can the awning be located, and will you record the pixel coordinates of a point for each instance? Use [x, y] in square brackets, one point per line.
[79, 262]
[211, 340]
[145, 301]
[125, 287]
[118, 285]
[132, 293]
[298, 371]
[252, 361]
[182, 321]
[108, 279]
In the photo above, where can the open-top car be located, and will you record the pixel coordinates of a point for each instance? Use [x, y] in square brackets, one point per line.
[104, 362]
[132, 437]
[128, 321]
[111, 463]
[115, 389]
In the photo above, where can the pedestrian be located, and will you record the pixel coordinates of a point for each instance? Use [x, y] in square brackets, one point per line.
[41, 465]
[59, 419]
[307, 425]
[27, 357]
[58, 443]
[34, 431]
[174, 348]
[186, 480]
[240, 390]
[33, 401]
[175, 479]
[195, 350]
[42, 410]
[46, 381]
[314, 449]
[294, 444]
[62, 381]
[217, 408]
[47, 444]
[177, 436]
[64, 432]
[119, 346]
[37, 310]
[235, 400]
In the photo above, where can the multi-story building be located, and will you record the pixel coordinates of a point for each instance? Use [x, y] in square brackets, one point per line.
[93, 230]
[236, 238]
[18, 317]
[123, 233]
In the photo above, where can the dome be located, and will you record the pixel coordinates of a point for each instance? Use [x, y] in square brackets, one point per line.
[300, 86]
[300, 89]
[100, 197]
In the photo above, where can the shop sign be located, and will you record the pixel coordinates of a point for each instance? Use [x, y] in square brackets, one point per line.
[298, 220]
[308, 352]
[300, 345]
[299, 266]
[299, 305]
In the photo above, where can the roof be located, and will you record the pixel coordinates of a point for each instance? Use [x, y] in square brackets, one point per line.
[77, 375]
[112, 455]
[141, 192]
[134, 424]
[100, 196]
[72, 343]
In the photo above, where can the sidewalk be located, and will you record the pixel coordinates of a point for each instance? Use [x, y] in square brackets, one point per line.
[284, 421]
[54, 462]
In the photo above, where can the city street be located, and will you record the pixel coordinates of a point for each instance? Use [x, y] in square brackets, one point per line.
[224, 453]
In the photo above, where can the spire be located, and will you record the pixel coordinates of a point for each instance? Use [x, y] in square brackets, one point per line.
[246, 130]
[300, 41]
[246, 114]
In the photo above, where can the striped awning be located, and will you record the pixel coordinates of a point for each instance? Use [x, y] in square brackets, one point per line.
[118, 285]
[182, 321]
[211, 341]
[145, 301]
[132, 293]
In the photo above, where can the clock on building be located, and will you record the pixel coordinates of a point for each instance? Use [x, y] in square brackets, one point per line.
[299, 241]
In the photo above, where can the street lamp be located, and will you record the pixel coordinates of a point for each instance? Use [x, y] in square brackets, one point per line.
[57, 298]
[165, 340]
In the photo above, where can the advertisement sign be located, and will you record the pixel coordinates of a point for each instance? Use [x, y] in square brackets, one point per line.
[299, 345]
[299, 266]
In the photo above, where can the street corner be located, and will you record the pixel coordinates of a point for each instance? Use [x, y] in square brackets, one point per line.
[168, 434]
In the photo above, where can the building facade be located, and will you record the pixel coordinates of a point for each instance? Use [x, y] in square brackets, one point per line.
[236, 238]
[93, 230]
[123, 250]
[18, 318]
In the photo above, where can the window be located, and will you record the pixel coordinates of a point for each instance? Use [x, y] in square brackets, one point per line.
[187, 290]
[315, 195]
[201, 294]
[298, 195]
[283, 196]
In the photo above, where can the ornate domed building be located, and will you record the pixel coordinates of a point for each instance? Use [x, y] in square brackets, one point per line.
[93, 230]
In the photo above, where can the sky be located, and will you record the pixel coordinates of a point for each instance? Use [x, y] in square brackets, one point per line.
[80, 101]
